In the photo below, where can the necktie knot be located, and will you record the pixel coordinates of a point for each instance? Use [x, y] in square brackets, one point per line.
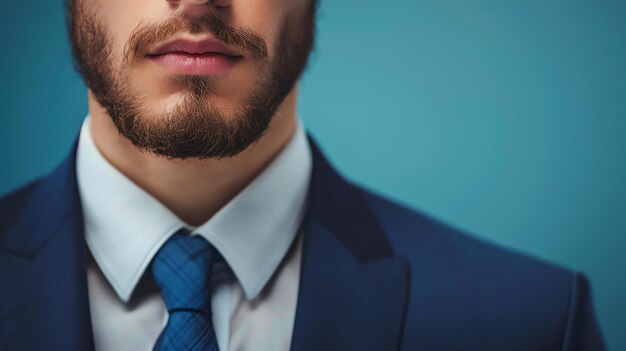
[182, 270]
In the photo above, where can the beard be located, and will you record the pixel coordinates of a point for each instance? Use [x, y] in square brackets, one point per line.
[194, 127]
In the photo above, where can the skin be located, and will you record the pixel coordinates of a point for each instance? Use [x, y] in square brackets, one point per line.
[194, 189]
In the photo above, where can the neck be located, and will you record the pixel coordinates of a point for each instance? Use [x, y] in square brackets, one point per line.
[193, 189]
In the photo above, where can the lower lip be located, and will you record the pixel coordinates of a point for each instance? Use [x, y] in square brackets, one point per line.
[196, 64]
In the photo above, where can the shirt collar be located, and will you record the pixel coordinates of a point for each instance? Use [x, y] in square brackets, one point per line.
[125, 226]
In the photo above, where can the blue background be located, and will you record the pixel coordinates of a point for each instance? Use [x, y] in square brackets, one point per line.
[504, 118]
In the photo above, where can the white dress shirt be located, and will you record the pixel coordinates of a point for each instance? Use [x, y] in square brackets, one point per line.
[258, 232]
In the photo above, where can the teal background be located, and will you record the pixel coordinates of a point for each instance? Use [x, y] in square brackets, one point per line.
[504, 118]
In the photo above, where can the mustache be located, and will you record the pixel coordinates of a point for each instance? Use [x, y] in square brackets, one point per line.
[245, 39]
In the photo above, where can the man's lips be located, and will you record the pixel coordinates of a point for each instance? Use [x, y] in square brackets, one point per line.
[206, 57]
[194, 47]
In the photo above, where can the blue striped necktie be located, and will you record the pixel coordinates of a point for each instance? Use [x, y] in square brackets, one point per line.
[182, 270]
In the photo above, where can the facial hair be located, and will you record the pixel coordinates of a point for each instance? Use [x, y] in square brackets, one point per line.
[195, 127]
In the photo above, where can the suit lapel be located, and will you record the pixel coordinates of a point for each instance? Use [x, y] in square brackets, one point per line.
[45, 256]
[352, 288]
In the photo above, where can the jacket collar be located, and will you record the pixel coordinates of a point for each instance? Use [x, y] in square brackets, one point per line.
[54, 201]
[342, 209]
[353, 290]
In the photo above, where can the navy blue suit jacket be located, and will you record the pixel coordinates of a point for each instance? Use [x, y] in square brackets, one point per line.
[375, 276]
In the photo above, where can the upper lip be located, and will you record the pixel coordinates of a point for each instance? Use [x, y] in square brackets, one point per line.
[208, 45]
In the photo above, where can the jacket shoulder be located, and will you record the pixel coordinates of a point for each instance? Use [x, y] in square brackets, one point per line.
[491, 296]
[11, 206]
[412, 232]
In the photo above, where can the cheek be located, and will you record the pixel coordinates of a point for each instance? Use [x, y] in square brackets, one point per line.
[122, 17]
[264, 16]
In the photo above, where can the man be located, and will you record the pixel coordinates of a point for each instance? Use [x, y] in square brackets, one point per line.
[195, 214]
